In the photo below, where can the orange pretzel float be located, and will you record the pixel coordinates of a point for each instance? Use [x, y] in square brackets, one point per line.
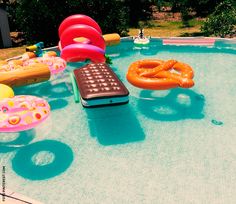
[160, 75]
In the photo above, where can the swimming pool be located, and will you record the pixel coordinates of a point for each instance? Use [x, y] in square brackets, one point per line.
[175, 146]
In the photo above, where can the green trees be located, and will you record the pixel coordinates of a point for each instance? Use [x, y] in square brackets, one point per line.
[201, 7]
[221, 14]
[138, 10]
[222, 22]
[40, 19]
[10, 7]
[111, 15]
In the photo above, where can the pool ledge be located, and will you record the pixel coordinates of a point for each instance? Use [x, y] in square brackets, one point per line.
[227, 43]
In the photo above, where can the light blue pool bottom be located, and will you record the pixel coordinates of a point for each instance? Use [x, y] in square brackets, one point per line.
[174, 146]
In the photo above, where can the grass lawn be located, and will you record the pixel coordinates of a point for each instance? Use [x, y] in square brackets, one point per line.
[170, 29]
[151, 28]
[11, 52]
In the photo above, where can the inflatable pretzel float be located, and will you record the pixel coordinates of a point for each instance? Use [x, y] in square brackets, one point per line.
[160, 75]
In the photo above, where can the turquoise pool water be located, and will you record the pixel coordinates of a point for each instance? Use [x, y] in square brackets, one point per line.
[175, 146]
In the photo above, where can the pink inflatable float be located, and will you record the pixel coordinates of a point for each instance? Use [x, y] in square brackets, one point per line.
[81, 39]
[55, 64]
[22, 113]
[81, 52]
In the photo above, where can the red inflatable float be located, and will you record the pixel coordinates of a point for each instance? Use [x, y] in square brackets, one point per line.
[81, 39]
[78, 19]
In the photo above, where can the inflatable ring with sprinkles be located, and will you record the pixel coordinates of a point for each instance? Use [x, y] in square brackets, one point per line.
[22, 112]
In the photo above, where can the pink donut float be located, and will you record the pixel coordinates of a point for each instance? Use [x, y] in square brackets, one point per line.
[81, 52]
[78, 19]
[56, 64]
[22, 112]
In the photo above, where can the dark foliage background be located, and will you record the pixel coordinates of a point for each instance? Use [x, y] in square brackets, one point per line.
[222, 22]
[40, 19]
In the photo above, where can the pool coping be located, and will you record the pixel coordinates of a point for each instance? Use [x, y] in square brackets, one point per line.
[213, 40]
[199, 37]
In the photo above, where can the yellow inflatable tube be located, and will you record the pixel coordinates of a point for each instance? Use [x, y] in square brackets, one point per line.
[5, 91]
[112, 39]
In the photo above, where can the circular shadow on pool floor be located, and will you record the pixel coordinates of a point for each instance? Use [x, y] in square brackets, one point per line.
[24, 165]
[177, 104]
[19, 140]
[57, 104]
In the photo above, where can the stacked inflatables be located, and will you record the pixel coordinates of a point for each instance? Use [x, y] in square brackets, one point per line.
[80, 39]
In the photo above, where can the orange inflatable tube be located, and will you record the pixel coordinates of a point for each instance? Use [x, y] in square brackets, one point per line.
[160, 75]
[112, 39]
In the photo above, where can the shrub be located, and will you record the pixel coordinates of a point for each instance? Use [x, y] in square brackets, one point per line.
[201, 7]
[40, 19]
[138, 10]
[185, 17]
[10, 7]
[111, 15]
[222, 22]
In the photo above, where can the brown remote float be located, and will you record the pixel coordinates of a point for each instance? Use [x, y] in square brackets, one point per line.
[98, 85]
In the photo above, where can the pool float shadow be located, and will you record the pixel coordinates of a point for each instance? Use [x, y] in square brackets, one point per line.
[22, 139]
[114, 125]
[177, 104]
[24, 164]
[149, 50]
[33, 89]
[57, 93]
[57, 104]
[59, 90]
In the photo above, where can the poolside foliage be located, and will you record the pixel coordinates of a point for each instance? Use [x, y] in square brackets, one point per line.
[201, 7]
[222, 22]
[40, 19]
[138, 10]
